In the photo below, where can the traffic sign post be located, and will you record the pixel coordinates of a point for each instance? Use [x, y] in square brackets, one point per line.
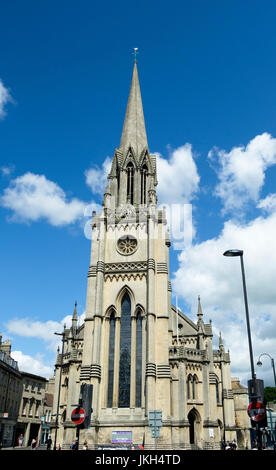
[257, 412]
[78, 415]
[155, 423]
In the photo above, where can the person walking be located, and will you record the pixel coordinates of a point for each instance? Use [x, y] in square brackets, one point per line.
[74, 445]
[33, 444]
[20, 440]
[49, 443]
[85, 445]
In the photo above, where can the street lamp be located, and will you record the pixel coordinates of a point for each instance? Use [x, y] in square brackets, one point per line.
[254, 383]
[59, 386]
[259, 363]
[232, 253]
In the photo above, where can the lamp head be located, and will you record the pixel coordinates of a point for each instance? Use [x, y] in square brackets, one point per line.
[233, 253]
[259, 363]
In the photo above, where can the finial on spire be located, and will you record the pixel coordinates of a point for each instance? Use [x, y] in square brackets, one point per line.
[135, 53]
[199, 309]
[221, 346]
[75, 310]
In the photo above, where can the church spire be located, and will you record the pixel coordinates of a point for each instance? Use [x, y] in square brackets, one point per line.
[134, 130]
[74, 320]
[199, 310]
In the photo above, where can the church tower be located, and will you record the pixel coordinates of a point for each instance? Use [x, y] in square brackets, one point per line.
[125, 351]
[136, 352]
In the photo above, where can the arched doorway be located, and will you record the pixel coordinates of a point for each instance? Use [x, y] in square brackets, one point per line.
[194, 419]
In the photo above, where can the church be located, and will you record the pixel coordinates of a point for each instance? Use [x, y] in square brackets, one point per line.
[135, 352]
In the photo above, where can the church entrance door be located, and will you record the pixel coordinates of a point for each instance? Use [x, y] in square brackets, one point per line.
[192, 416]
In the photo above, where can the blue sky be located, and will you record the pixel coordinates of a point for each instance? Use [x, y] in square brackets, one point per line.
[207, 73]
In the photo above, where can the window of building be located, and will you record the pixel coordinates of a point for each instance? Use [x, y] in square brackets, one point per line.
[192, 387]
[125, 354]
[138, 394]
[130, 183]
[217, 391]
[144, 172]
[111, 361]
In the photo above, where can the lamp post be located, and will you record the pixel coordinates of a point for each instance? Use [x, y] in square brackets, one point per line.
[253, 392]
[239, 253]
[259, 363]
[59, 386]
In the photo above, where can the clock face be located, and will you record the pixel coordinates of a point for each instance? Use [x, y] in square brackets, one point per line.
[127, 245]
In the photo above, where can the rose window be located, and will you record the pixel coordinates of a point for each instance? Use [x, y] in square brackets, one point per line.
[127, 245]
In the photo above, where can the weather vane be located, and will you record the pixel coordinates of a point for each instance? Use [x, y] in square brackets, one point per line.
[135, 53]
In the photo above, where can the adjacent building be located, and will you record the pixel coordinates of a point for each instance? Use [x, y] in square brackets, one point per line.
[10, 395]
[47, 411]
[32, 407]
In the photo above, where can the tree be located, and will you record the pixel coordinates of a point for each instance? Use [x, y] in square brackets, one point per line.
[270, 394]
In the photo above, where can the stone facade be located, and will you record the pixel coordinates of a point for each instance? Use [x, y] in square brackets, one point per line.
[135, 348]
[31, 407]
[10, 395]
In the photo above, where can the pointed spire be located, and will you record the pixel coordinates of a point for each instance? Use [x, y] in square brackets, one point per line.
[75, 315]
[134, 130]
[75, 320]
[221, 346]
[199, 309]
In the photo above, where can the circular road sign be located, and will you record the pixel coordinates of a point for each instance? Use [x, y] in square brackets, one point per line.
[256, 411]
[78, 415]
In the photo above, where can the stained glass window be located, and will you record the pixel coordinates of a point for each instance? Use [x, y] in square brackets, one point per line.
[111, 362]
[125, 354]
[138, 395]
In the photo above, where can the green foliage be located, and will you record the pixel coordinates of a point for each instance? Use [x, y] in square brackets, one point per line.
[270, 394]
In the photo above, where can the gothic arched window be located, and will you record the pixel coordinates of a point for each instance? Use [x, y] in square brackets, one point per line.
[130, 182]
[125, 353]
[194, 382]
[138, 394]
[217, 391]
[189, 379]
[144, 184]
[111, 361]
[191, 387]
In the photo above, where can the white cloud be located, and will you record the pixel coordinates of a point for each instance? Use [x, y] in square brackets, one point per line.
[178, 179]
[30, 328]
[96, 177]
[268, 204]
[45, 331]
[33, 197]
[203, 270]
[31, 364]
[7, 170]
[241, 172]
[5, 97]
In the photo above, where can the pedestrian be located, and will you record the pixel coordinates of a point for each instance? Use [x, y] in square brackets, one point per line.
[20, 440]
[85, 445]
[49, 443]
[233, 445]
[73, 445]
[228, 447]
[58, 447]
[33, 444]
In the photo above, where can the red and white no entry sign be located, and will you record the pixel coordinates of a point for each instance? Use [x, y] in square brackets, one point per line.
[78, 415]
[256, 411]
